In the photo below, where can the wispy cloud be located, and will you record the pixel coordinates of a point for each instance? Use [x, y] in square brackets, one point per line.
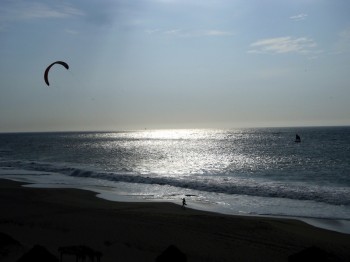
[191, 33]
[71, 32]
[216, 33]
[152, 31]
[283, 45]
[299, 17]
[25, 10]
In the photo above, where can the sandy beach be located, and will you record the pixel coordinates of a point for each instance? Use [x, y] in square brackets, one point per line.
[56, 218]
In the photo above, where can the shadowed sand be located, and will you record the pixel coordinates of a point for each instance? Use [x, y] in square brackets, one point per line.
[141, 231]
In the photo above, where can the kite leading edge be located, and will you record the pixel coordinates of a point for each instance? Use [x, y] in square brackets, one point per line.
[46, 74]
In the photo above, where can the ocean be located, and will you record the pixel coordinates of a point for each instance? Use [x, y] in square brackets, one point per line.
[252, 171]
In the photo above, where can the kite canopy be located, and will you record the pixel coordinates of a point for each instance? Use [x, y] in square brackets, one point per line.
[46, 74]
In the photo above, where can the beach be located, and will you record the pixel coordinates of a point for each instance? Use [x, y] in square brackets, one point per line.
[127, 231]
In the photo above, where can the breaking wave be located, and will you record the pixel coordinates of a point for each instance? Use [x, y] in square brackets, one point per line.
[210, 183]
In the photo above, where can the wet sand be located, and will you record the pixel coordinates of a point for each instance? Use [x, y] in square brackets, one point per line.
[124, 231]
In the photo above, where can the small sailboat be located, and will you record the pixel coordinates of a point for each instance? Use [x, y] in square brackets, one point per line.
[297, 139]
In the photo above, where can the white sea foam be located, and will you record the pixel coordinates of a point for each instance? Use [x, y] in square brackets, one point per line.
[307, 211]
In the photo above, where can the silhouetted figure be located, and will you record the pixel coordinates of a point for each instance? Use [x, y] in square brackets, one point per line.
[184, 203]
[297, 138]
[38, 253]
[172, 254]
[80, 252]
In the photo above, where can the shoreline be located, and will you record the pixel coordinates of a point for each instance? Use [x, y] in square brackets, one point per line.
[337, 224]
[132, 231]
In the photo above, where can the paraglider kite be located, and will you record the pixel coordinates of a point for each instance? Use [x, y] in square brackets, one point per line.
[46, 74]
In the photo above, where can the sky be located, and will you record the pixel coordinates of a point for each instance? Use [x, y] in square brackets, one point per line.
[155, 64]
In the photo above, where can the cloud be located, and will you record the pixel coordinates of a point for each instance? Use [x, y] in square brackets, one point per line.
[25, 10]
[152, 31]
[283, 45]
[299, 17]
[216, 33]
[40, 11]
[190, 33]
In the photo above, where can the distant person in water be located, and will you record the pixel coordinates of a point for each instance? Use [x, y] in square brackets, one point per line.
[184, 203]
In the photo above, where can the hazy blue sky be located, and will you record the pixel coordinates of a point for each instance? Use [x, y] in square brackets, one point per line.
[138, 64]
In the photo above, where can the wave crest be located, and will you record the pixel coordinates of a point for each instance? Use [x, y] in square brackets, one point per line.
[330, 195]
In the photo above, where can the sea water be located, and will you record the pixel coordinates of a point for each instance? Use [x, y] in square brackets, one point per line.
[260, 171]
